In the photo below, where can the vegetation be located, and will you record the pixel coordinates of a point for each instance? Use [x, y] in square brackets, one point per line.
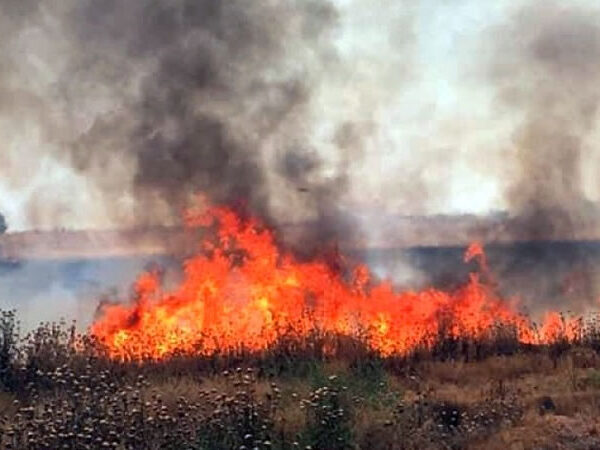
[58, 390]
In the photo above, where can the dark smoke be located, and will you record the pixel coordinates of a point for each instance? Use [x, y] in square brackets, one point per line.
[155, 101]
[546, 67]
[214, 90]
[320, 194]
[3, 224]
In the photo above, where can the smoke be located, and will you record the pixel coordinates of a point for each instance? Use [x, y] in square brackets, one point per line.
[545, 70]
[116, 113]
[213, 93]
[48, 290]
[143, 104]
[122, 111]
[342, 116]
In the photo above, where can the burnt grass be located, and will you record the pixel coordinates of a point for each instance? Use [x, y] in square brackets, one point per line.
[59, 390]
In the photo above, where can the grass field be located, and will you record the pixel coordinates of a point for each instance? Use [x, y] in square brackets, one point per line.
[324, 392]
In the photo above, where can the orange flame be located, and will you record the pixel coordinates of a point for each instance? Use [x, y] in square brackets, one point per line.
[241, 290]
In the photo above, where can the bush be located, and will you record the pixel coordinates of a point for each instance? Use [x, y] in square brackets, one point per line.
[8, 349]
[328, 417]
[239, 419]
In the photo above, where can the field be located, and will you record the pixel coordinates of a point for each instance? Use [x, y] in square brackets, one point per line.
[253, 348]
[323, 392]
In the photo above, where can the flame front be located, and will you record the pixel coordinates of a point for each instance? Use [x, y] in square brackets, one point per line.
[242, 291]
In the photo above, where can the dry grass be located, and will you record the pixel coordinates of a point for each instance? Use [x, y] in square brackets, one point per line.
[498, 399]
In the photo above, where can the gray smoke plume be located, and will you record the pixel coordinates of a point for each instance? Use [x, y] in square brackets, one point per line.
[120, 111]
[546, 68]
[152, 102]
[114, 113]
[205, 103]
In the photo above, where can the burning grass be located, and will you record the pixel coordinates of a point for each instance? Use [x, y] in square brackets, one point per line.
[243, 292]
[258, 350]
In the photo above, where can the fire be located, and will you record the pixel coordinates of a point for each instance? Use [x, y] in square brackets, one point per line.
[242, 291]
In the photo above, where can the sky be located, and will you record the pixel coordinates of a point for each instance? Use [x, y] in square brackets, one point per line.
[411, 77]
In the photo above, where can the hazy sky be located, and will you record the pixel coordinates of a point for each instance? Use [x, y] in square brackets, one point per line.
[410, 75]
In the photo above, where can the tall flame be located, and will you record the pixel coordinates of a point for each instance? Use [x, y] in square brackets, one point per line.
[241, 290]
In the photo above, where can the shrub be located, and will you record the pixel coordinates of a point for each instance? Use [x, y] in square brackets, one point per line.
[8, 348]
[328, 417]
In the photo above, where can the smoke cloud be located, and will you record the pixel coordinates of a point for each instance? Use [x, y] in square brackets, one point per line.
[545, 69]
[116, 113]
[343, 114]
[148, 103]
